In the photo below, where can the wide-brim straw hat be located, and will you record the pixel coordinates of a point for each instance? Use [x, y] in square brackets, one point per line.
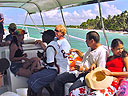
[97, 80]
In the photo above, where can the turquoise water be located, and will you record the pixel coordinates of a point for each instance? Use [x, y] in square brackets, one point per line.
[81, 34]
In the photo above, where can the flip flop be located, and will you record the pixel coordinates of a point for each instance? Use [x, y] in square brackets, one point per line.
[4, 64]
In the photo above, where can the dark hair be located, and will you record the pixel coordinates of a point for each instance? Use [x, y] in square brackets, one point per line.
[14, 40]
[50, 35]
[93, 35]
[116, 42]
[124, 53]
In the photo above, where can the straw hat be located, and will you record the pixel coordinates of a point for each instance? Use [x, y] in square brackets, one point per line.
[97, 80]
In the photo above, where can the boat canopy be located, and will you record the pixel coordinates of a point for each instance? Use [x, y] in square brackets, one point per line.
[33, 6]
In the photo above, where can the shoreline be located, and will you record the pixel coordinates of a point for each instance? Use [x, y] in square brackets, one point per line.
[98, 30]
[108, 31]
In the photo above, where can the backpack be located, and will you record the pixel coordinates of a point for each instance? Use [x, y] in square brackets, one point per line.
[43, 57]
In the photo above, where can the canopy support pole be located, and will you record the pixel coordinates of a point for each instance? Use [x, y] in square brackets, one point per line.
[102, 22]
[63, 19]
[34, 22]
[25, 20]
[64, 23]
[42, 20]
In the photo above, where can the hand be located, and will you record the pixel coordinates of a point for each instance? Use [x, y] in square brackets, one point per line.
[38, 41]
[72, 50]
[108, 73]
[79, 68]
[93, 66]
[25, 59]
[25, 55]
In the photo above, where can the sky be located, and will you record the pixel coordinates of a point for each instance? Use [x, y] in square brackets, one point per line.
[73, 16]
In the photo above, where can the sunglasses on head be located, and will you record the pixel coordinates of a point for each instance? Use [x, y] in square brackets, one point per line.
[56, 30]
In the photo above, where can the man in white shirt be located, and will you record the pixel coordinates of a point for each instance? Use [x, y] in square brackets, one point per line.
[95, 57]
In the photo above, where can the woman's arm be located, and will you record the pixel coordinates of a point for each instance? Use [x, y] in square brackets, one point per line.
[125, 60]
[42, 44]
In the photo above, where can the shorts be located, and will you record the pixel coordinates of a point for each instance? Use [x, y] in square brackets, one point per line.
[15, 67]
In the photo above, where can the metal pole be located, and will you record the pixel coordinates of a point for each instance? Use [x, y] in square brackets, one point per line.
[42, 20]
[34, 22]
[25, 20]
[102, 22]
[64, 23]
[63, 19]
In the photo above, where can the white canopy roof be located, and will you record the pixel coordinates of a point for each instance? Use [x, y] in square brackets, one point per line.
[32, 6]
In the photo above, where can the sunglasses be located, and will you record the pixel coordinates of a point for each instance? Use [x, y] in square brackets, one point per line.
[57, 30]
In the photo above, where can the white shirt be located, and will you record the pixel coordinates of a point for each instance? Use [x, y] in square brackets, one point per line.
[50, 53]
[65, 46]
[97, 56]
[63, 43]
[60, 60]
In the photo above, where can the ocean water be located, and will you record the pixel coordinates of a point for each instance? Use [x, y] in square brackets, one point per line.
[81, 34]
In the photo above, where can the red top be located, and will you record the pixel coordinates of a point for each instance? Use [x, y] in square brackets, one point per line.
[115, 65]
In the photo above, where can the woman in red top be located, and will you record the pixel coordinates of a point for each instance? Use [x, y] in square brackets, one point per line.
[118, 60]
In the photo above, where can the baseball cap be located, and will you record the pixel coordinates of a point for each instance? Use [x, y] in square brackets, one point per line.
[19, 32]
[12, 26]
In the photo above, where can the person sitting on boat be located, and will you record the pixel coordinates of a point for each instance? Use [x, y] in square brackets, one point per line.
[20, 64]
[47, 75]
[60, 32]
[96, 54]
[12, 27]
[115, 64]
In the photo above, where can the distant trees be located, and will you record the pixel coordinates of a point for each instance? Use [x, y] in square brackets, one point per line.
[117, 22]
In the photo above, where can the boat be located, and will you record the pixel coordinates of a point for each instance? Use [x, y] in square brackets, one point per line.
[11, 82]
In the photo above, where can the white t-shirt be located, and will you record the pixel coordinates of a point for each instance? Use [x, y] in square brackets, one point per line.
[63, 43]
[50, 53]
[60, 60]
[97, 56]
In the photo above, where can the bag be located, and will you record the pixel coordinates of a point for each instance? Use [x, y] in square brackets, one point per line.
[73, 63]
[43, 57]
